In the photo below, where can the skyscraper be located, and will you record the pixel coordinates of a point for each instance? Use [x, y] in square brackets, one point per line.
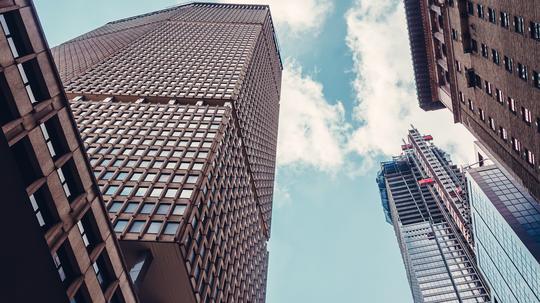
[506, 229]
[179, 111]
[423, 197]
[60, 246]
[478, 59]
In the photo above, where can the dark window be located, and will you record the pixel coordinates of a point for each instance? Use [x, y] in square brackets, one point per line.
[16, 35]
[519, 26]
[505, 20]
[26, 161]
[104, 272]
[495, 56]
[117, 297]
[485, 51]
[535, 30]
[8, 109]
[470, 8]
[480, 11]
[81, 296]
[512, 105]
[538, 125]
[43, 207]
[536, 79]
[508, 64]
[526, 115]
[33, 81]
[492, 16]
[478, 81]
[54, 137]
[70, 180]
[89, 231]
[474, 46]
[65, 264]
[522, 71]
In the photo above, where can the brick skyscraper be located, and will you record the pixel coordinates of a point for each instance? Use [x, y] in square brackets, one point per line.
[179, 112]
[480, 60]
[60, 246]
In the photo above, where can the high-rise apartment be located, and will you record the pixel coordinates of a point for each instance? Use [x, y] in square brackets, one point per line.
[506, 229]
[178, 110]
[479, 59]
[60, 245]
[424, 198]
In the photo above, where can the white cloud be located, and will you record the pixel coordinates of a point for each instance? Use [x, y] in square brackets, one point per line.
[311, 131]
[297, 15]
[386, 95]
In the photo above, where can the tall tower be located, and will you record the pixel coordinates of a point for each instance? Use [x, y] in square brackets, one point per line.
[478, 59]
[423, 198]
[60, 246]
[179, 111]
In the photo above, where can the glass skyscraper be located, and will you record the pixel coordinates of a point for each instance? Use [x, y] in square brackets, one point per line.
[506, 229]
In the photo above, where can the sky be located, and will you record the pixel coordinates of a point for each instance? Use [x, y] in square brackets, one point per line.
[347, 100]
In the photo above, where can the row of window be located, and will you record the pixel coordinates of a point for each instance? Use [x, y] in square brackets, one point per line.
[148, 227]
[503, 133]
[526, 114]
[503, 19]
[521, 70]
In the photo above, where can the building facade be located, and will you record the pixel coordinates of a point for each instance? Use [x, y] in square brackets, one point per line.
[478, 59]
[178, 110]
[62, 245]
[419, 192]
[506, 229]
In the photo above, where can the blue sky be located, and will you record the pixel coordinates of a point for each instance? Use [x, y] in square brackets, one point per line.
[348, 97]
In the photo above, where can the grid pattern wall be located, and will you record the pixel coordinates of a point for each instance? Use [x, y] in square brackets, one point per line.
[257, 108]
[75, 57]
[39, 128]
[521, 205]
[177, 173]
[231, 13]
[440, 264]
[180, 60]
[509, 267]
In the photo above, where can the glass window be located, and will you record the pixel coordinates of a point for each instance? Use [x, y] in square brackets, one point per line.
[163, 209]
[136, 177]
[171, 193]
[131, 207]
[150, 177]
[154, 227]
[186, 193]
[126, 191]
[179, 209]
[111, 190]
[141, 191]
[156, 192]
[147, 208]
[137, 226]
[115, 206]
[171, 228]
[164, 177]
[120, 226]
